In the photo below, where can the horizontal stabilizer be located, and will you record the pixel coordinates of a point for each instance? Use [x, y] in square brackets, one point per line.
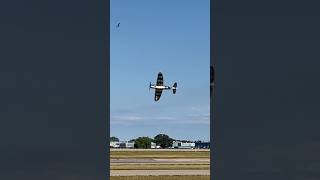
[174, 88]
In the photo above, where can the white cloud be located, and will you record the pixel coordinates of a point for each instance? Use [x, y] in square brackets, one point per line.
[195, 115]
[125, 119]
[183, 119]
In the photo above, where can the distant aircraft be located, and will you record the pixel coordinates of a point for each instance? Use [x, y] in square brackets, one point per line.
[159, 87]
[118, 25]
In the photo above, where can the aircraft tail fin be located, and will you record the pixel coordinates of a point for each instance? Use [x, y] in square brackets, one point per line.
[174, 88]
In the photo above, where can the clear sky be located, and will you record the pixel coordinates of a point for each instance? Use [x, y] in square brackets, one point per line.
[168, 36]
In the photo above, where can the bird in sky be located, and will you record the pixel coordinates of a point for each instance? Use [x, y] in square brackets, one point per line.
[118, 25]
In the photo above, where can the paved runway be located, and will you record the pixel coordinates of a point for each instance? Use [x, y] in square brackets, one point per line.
[159, 161]
[158, 172]
[148, 162]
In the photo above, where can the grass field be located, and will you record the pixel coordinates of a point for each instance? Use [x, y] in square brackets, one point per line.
[159, 166]
[160, 178]
[159, 154]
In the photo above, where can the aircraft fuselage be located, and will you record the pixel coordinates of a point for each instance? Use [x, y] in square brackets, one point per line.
[160, 87]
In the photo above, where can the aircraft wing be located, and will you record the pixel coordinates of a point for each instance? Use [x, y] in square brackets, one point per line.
[157, 94]
[160, 79]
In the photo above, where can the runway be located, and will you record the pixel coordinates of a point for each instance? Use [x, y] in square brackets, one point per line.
[158, 172]
[159, 161]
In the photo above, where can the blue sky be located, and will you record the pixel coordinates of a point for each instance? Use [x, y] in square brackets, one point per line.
[171, 36]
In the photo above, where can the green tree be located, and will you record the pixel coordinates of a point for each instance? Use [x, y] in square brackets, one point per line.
[163, 140]
[142, 142]
[114, 139]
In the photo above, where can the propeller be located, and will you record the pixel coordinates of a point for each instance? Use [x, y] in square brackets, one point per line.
[149, 86]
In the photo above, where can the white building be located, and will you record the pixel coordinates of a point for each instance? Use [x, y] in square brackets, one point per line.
[122, 144]
[114, 144]
[129, 144]
[183, 145]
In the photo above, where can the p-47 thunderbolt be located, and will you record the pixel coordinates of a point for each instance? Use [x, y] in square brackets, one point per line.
[159, 87]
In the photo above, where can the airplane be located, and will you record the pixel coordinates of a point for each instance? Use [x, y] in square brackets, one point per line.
[159, 87]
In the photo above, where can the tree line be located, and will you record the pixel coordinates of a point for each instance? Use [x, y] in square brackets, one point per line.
[162, 140]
